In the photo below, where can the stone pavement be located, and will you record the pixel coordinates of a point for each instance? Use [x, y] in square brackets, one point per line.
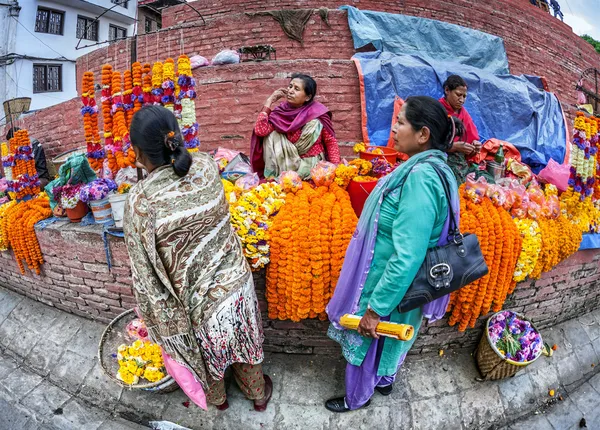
[50, 379]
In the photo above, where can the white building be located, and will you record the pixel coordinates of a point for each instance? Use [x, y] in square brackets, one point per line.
[38, 41]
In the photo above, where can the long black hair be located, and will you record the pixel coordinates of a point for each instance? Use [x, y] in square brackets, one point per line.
[310, 85]
[453, 82]
[155, 132]
[423, 111]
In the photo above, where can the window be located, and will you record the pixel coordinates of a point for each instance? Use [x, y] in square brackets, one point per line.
[116, 33]
[87, 28]
[120, 3]
[49, 21]
[148, 25]
[47, 78]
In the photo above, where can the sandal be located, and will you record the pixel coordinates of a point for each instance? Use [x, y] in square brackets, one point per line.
[223, 406]
[261, 407]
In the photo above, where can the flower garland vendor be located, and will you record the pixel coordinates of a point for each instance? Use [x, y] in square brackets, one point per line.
[467, 145]
[39, 156]
[296, 135]
[406, 214]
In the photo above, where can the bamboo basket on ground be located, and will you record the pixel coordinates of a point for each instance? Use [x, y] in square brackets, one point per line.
[115, 335]
[491, 363]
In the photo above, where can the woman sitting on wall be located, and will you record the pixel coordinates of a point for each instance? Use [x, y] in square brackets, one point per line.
[467, 146]
[192, 283]
[296, 135]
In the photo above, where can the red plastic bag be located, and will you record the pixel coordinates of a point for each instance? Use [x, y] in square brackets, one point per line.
[556, 174]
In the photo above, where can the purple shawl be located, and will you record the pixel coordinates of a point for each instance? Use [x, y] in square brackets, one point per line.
[286, 119]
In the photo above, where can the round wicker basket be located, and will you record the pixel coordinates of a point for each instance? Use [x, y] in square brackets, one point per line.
[491, 363]
[115, 335]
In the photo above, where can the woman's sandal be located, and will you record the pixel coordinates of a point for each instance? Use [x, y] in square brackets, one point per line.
[262, 406]
[223, 406]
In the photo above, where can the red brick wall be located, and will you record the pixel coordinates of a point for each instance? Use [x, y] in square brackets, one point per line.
[77, 279]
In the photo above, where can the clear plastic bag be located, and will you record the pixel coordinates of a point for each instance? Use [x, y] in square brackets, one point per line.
[126, 175]
[226, 56]
[136, 329]
[323, 174]
[475, 189]
[198, 61]
[520, 170]
[497, 195]
[247, 182]
[290, 181]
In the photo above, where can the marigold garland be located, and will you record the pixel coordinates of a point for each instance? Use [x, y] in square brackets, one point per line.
[185, 109]
[532, 246]
[147, 84]
[157, 81]
[137, 93]
[4, 209]
[303, 273]
[19, 221]
[25, 181]
[89, 110]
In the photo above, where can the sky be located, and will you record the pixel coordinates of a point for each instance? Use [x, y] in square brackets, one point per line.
[583, 16]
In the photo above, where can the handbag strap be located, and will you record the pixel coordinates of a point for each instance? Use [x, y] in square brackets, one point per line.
[454, 233]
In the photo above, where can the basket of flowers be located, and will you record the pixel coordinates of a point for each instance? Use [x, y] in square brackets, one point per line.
[130, 358]
[510, 343]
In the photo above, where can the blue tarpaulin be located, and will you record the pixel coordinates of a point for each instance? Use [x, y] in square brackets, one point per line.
[590, 241]
[507, 107]
[427, 38]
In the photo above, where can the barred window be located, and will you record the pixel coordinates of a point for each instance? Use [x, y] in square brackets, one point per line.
[49, 21]
[47, 78]
[87, 28]
[120, 3]
[116, 33]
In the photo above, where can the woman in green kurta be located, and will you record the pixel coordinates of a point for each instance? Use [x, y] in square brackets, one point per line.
[404, 216]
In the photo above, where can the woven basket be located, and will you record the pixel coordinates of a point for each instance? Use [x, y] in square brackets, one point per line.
[491, 363]
[115, 335]
[15, 107]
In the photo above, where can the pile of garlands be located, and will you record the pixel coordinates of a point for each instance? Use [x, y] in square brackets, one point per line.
[500, 242]
[17, 229]
[309, 237]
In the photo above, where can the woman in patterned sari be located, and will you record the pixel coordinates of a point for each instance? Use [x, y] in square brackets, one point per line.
[296, 135]
[192, 283]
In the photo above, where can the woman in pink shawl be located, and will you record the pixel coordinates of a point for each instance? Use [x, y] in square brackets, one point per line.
[296, 135]
[467, 146]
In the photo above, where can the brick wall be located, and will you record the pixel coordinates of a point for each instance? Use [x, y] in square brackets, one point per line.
[76, 278]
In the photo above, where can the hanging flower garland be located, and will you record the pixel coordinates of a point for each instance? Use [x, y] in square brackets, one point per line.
[127, 97]
[168, 84]
[303, 273]
[111, 162]
[124, 155]
[8, 161]
[584, 149]
[89, 110]
[147, 84]
[137, 94]
[20, 221]
[4, 210]
[25, 180]
[186, 96]
[157, 81]
[251, 219]
[532, 246]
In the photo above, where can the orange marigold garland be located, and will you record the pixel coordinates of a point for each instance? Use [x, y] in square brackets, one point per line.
[25, 181]
[127, 96]
[21, 219]
[89, 110]
[137, 93]
[111, 161]
[302, 274]
[147, 84]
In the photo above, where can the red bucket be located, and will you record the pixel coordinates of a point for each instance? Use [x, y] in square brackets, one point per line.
[359, 192]
[388, 153]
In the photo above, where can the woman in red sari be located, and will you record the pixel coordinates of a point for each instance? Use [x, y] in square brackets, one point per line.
[296, 134]
[467, 146]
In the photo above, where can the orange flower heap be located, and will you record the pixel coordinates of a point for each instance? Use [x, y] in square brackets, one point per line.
[20, 220]
[303, 273]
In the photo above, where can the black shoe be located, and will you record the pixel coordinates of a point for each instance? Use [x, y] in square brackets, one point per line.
[337, 405]
[385, 391]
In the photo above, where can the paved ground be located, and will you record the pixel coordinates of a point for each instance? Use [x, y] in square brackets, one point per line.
[50, 379]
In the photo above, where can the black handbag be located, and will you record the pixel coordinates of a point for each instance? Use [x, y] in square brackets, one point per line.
[446, 268]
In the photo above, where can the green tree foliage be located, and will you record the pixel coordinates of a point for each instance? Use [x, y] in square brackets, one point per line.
[592, 41]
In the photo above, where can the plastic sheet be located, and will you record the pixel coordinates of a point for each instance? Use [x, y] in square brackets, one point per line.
[507, 107]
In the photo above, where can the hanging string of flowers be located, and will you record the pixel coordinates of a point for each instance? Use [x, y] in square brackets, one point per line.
[20, 221]
[584, 149]
[147, 84]
[25, 178]
[8, 161]
[168, 84]
[89, 110]
[122, 151]
[303, 274]
[4, 210]
[187, 94]
[111, 162]
[137, 94]
[532, 246]
[127, 97]
[251, 219]
[157, 81]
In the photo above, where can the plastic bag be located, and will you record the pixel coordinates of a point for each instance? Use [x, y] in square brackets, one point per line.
[248, 181]
[535, 193]
[475, 189]
[239, 163]
[556, 174]
[520, 170]
[534, 210]
[226, 56]
[497, 195]
[551, 208]
[186, 381]
[323, 173]
[136, 329]
[127, 175]
[198, 61]
[521, 200]
[290, 181]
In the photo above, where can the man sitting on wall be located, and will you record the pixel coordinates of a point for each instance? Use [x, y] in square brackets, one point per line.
[38, 154]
